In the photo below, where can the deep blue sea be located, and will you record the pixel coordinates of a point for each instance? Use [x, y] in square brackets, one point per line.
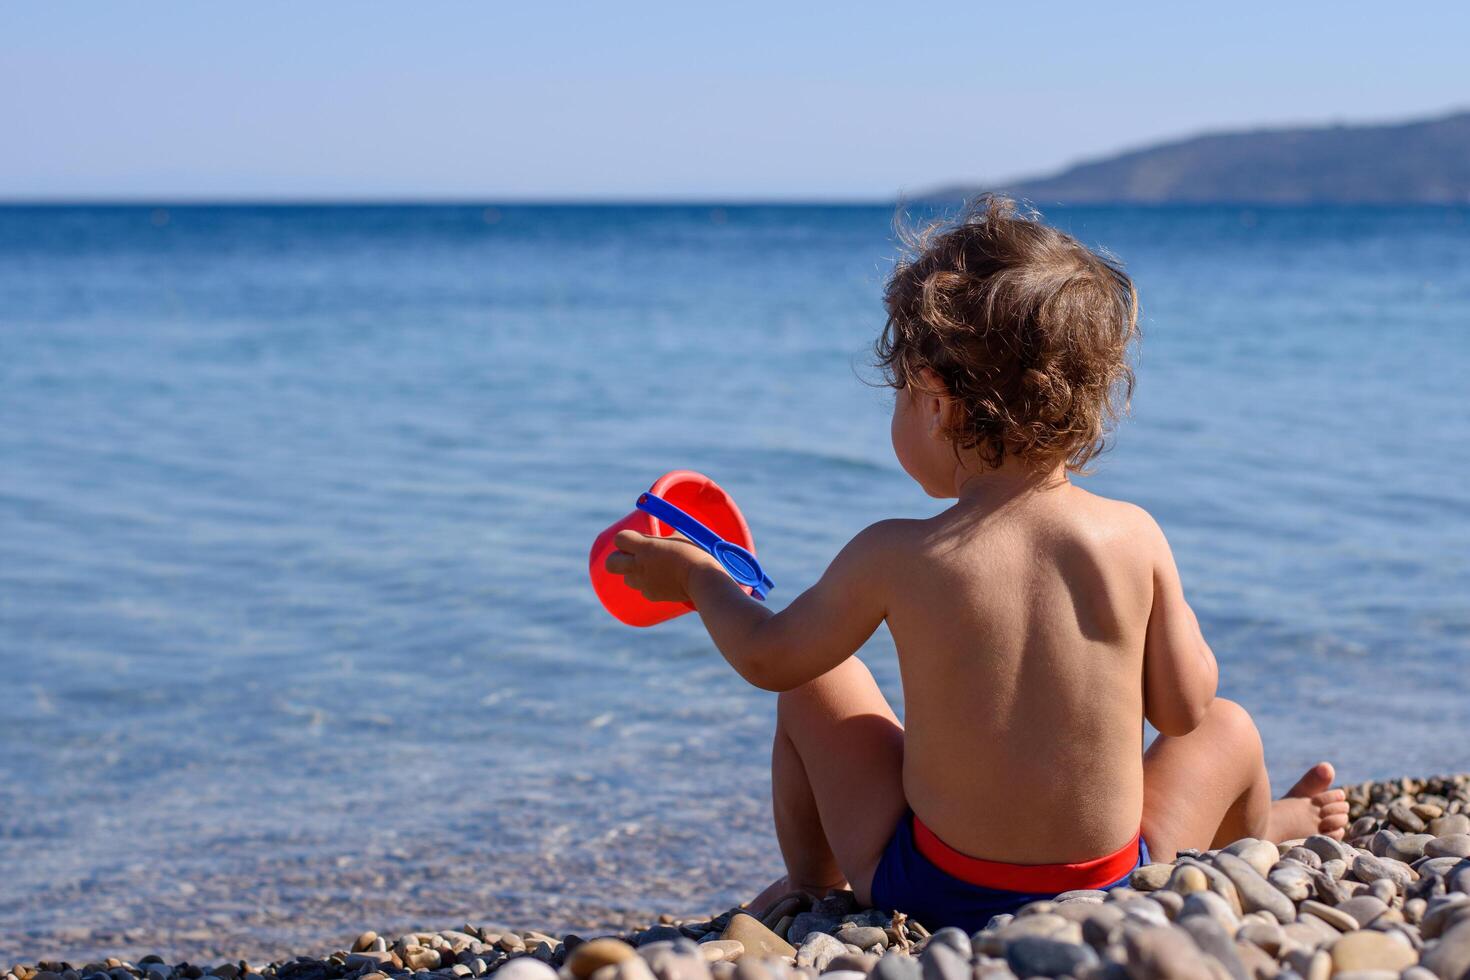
[295, 630]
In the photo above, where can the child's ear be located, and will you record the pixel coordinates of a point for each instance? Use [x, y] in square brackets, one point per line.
[938, 407]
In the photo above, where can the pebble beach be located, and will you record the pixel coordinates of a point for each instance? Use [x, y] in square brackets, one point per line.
[1391, 900]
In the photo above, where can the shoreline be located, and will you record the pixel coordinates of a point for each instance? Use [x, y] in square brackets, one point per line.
[1399, 886]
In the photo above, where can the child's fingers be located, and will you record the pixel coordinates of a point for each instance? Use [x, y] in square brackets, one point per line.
[629, 541]
[620, 563]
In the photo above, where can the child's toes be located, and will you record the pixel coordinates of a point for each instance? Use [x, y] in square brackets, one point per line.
[1333, 821]
[1331, 796]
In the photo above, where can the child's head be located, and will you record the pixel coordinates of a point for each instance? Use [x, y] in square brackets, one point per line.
[1007, 340]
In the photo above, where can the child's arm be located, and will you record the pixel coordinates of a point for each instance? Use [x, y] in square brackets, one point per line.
[1179, 670]
[776, 651]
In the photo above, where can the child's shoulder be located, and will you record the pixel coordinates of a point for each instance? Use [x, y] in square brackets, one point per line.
[1121, 522]
[889, 535]
[885, 545]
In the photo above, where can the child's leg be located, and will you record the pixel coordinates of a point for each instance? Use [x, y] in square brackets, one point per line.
[1210, 787]
[836, 782]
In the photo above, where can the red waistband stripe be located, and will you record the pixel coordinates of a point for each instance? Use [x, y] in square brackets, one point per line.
[1053, 878]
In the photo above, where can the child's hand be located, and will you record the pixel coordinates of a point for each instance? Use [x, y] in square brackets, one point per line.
[659, 568]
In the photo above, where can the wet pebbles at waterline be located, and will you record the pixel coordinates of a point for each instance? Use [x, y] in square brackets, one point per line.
[1392, 901]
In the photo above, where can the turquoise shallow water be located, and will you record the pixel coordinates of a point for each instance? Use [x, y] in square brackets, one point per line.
[295, 503]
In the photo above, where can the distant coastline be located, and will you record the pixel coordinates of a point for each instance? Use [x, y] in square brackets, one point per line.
[1424, 161]
[1417, 162]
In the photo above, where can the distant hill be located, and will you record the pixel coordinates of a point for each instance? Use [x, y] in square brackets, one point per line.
[1422, 162]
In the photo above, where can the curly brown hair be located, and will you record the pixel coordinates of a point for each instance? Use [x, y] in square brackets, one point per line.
[1028, 330]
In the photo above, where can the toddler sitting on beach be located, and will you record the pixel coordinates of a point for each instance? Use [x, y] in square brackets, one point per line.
[1037, 625]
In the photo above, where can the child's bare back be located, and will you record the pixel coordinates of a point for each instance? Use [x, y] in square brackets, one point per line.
[1037, 625]
[1020, 620]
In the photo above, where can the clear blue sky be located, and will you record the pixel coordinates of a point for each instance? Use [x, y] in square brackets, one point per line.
[496, 100]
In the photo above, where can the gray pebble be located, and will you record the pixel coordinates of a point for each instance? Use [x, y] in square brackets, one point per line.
[1457, 879]
[1256, 893]
[1040, 924]
[1334, 917]
[809, 922]
[1164, 953]
[1037, 956]
[859, 963]
[1210, 906]
[818, 949]
[867, 937]
[953, 938]
[1363, 908]
[1384, 890]
[1452, 845]
[1450, 825]
[1382, 840]
[1443, 914]
[1368, 868]
[1214, 939]
[1144, 911]
[896, 966]
[871, 917]
[677, 966]
[1172, 902]
[1409, 848]
[1362, 827]
[528, 968]
[632, 968]
[1303, 856]
[1405, 819]
[1293, 880]
[1082, 895]
[943, 962]
[837, 903]
[993, 970]
[1259, 854]
[1449, 956]
[1151, 877]
[1327, 849]
[755, 968]
[1264, 935]
[1098, 926]
[995, 923]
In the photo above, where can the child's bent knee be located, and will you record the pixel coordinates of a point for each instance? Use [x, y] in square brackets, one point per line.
[795, 707]
[1231, 723]
[846, 689]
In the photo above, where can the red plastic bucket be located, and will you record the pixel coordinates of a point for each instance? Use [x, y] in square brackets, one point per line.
[693, 493]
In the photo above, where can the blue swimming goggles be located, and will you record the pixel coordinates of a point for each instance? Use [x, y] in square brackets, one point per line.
[740, 563]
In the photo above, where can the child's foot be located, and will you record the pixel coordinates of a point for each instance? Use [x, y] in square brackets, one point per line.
[1310, 807]
[783, 887]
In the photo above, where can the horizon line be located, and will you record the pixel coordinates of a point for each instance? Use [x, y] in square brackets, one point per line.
[668, 202]
[431, 200]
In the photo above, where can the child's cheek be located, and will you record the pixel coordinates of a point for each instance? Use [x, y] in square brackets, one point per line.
[902, 437]
[895, 431]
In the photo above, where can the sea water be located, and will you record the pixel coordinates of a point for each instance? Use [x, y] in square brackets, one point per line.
[295, 628]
